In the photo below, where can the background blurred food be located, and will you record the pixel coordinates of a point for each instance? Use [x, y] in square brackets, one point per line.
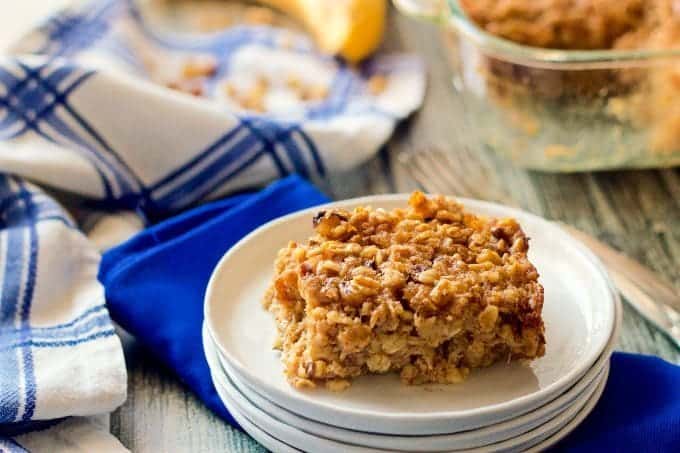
[638, 95]
[352, 29]
[580, 24]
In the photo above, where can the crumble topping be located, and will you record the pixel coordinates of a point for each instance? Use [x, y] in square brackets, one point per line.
[429, 291]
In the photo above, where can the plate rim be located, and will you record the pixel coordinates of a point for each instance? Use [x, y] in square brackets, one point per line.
[589, 389]
[572, 424]
[594, 372]
[470, 204]
[251, 426]
[557, 424]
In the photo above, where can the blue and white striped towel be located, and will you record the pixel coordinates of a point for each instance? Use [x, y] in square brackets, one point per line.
[80, 113]
[85, 117]
[59, 355]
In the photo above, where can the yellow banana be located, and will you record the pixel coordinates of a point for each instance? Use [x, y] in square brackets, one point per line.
[351, 28]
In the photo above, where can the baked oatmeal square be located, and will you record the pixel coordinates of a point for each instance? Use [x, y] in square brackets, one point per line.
[430, 291]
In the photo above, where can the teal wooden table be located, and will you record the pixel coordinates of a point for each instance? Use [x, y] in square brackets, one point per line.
[636, 211]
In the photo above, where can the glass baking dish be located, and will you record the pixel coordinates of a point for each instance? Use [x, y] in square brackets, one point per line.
[560, 110]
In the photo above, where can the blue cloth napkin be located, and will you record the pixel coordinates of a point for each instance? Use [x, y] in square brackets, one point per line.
[155, 284]
[639, 410]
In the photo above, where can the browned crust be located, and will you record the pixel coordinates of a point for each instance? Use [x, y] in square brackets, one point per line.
[429, 291]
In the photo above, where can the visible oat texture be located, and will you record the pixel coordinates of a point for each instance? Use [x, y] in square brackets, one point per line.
[562, 24]
[430, 291]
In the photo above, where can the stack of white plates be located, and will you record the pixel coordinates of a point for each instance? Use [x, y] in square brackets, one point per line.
[506, 407]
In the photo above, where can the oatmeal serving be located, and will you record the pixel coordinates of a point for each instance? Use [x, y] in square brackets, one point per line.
[429, 291]
[640, 95]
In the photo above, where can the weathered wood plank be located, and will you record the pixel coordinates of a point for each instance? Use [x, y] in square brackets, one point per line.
[161, 415]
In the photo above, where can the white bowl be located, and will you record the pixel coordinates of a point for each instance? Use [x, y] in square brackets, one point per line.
[579, 314]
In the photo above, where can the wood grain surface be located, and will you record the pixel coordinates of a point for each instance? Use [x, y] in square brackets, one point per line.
[636, 211]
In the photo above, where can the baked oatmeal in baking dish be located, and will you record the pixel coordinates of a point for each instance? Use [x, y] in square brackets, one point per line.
[430, 291]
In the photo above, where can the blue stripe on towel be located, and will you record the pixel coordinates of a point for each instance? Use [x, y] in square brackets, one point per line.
[9, 300]
[185, 194]
[232, 172]
[261, 129]
[216, 147]
[311, 148]
[46, 330]
[89, 325]
[73, 31]
[46, 208]
[126, 178]
[29, 374]
[66, 343]
[30, 104]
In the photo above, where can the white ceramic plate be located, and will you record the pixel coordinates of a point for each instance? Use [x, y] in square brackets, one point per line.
[467, 439]
[310, 442]
[265, 439]
[578, 312]
[569, 427]
[237, 403]
[278, 446]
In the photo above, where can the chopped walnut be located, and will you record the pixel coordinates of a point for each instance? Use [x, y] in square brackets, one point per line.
[377, 84]
[194, 87]
[258, 15]
[251, 99]
[230, 90]
[199, 66]
[313, 93]
[294, 83]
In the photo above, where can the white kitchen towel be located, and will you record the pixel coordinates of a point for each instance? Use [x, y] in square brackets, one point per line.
[83, 112]
[85, 108]
[59, 354]
[74, 435]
